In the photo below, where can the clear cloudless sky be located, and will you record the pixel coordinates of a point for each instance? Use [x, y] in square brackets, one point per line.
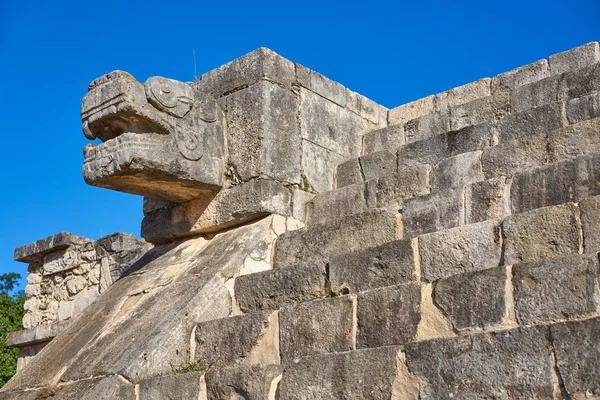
[391, 51]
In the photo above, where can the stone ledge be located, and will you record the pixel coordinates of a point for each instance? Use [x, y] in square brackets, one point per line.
[39, 334]
[36, 250]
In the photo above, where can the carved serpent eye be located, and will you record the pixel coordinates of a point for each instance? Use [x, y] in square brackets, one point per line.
[170, 96]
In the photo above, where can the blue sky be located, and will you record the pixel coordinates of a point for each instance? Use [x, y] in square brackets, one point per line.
[392, 52]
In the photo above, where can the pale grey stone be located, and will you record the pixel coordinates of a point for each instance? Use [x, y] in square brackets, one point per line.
[388, 316]
[387, 138]
[171, 387]
[579, 82]
[574, 140]
[318, 164]
[316, 327]
[524, 75]
[487, 200]
[39, 334]
[300, 199]
[348, 173]
[542, 234]
[535, 94]
[321, 85]
[578, 356]
[466, 248]
[262, 133]
[583, 108]
[513, 364]
[575, 58]
[36, 250]
[320, 242]
[590, 209]
[426, 126]
[510, 157]
[366, 108]
[248, 382]
[390, 190]
[377, 164]
[485, 109]
[555, 290]
[386, 265]
[462, 94]
[336, 203]
[542, 119]
[457, 171]
[412, 110]
[433, 212]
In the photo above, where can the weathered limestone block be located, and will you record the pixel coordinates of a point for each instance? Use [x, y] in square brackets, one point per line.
[536, 94]
[462, 94]
[578, 356]
[579, 82]
[389, 190]
[330, 126]
[583, 108]
[436, 148]
[231, 207]
[252, 382]
[321, 85]
[576, 58]
[510, 157]
[509, 81]
[485, 109]
[474, 300]
[348, 173]
[319, 165]
[336, 203]
[542, 119]
[557, 183]
[242, 72]
[262, 133]
[388, 316]
[574, 140]
[273, 289]
[433, 212]
[316, 327]
[541, 234]
[366, 108]
[171, 387]
[457, 171]
[243, 339]
[426, 126]
[300, 199]
[369, 374]
[412, 110]
[463, 249]
[37, 250]
[512, 364]
[589, 210]
[319, 243]
[378, 164]
[389, 264]
[487, 200]
[387, 138]
[555, 290]
[151, 205]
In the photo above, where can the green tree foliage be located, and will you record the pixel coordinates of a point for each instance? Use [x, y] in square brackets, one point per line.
[11, 316]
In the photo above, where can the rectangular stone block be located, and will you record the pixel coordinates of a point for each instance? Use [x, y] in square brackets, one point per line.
[487, 200]
[384, 139]
[542, 234]
[583, 108]
[180, 386]
[510, 157]
[321, 85]
[485, 109]
[247, 339]
[474, 300]
[512, 364]
[390, 190]
[262, 133]
[434, 149]
[457, 171]
[36, 250]
[463, 249]
[318, 164]
[578, 356]
[377, 164]
[557, 183]
[317, 327]
[388, 316]
[462, 94]
[369, 374]
[331, 126]
[251, 382]
[273, 289]
[299, 200]
[348, 173]
[554, 290]
[535, 94]
[579, 83]
[412, 110]
[433, 212]
[386, 265]
[366, 108]
[426, 126]
[542, 119]
[336, 203]
[319, 243]
[246, 71]
[574, 140]
[590, 223]
[511, 80]
[576, 58]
